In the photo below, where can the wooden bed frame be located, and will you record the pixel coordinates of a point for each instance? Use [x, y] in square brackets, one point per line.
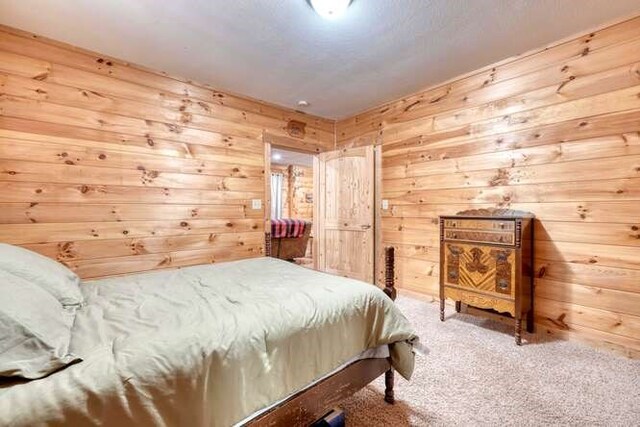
[311, 404]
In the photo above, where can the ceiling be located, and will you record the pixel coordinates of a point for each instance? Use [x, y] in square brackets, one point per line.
[282, 52]
[286, 158]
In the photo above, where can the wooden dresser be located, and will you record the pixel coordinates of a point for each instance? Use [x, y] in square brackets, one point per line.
[486, 260]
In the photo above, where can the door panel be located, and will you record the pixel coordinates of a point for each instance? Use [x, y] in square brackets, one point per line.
[345, 220]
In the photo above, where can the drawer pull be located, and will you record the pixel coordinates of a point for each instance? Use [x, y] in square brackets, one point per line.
[503, 284]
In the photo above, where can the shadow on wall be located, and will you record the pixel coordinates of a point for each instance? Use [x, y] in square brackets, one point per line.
[543, 287]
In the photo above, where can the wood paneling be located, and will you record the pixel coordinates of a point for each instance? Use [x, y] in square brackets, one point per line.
[555, 132]
[112, 168]
[300, 185]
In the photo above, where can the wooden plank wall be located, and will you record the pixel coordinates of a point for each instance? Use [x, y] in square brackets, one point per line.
[112, 168]
[555, 132]
[301, 182]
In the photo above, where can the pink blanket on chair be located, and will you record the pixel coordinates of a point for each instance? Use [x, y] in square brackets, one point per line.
[288, 227]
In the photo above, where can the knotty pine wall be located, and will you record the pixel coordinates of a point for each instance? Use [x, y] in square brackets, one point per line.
[301, 182]
[112, 168]
[555, 132]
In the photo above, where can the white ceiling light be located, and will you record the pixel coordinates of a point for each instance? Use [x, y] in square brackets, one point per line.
[276, 156]
[330, 9]
[303, 103]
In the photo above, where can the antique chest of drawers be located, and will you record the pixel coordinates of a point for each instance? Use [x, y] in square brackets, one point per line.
[486, 260]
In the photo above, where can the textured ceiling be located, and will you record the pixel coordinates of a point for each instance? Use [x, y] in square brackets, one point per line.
[281, 51]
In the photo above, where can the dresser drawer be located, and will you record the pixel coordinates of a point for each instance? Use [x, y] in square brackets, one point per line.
[479, 224]
[503, 238]
[483, 269]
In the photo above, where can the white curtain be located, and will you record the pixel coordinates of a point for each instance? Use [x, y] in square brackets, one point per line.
[276, 195]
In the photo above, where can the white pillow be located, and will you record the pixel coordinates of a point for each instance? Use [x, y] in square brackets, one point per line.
[48, 274]
[35, 330]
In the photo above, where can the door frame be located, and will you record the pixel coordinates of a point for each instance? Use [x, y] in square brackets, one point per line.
[378, 250]
[267, 185]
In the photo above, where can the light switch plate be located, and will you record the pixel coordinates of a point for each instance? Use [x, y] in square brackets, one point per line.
[256, 204]
[385, 204]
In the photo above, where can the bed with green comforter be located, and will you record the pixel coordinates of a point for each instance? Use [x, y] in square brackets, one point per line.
[207, 345]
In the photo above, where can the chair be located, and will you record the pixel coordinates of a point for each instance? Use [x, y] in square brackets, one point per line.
[288, 248]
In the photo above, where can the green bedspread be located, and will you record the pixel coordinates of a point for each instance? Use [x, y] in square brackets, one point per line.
[207, 345]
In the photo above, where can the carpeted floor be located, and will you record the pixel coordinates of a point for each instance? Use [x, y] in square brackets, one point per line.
[476, 375]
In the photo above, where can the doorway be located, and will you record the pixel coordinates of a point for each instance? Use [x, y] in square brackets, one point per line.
[291, 205]
[339, 195]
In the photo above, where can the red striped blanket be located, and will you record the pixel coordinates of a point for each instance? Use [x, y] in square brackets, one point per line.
[288, 227]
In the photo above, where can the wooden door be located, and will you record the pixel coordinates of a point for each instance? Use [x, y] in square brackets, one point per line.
[344, 217]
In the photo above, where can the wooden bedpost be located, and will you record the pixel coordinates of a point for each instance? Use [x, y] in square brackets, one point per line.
[389, 272]
[267, 244]
[390, 290]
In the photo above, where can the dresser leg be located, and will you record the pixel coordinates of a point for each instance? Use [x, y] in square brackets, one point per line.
[458, 306]
[389, 396]
[530, 322]
[518, 331]
[441, 309]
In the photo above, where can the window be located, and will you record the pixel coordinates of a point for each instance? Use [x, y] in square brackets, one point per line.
[276, 195]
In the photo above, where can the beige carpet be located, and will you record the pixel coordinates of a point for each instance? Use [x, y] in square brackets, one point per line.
[476, 375]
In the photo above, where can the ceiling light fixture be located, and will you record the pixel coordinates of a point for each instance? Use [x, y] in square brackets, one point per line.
[276, 156]
[303, 103]
[330, 9]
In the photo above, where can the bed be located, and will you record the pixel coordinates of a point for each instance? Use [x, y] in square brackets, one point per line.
[259, 341]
